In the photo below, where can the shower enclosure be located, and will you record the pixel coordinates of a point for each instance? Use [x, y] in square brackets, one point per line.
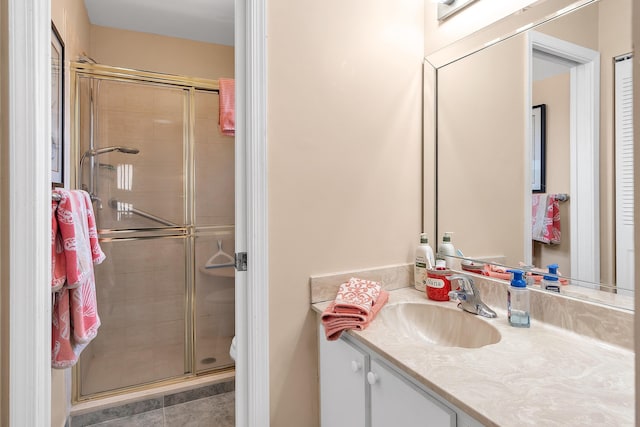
[148, 150]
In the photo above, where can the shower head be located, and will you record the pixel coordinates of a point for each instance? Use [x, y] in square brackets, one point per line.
[97, 151]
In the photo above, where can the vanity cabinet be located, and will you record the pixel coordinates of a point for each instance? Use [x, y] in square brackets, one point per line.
[360, 388]
[342, 384]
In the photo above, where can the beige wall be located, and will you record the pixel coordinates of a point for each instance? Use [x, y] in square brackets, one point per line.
[150, 52]
[72, 22]
[344, 120]
[554, 93]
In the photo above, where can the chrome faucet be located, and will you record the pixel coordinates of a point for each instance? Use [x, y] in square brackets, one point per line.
[469, 297]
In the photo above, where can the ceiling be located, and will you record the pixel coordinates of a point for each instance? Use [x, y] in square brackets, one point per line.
[201, 20]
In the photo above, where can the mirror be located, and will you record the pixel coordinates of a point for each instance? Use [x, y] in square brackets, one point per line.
[484, 145]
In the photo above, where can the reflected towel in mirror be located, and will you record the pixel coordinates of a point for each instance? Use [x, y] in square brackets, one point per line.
[545, 217]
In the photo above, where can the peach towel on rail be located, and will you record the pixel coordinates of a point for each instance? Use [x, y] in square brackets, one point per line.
[75, 319]
[356, 305]
[227, 112]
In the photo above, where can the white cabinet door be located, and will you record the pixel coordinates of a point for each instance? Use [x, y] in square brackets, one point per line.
[342, 384]
[396, 402]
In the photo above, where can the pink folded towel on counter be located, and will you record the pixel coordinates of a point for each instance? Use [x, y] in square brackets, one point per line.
[357, 296]
[356, 305]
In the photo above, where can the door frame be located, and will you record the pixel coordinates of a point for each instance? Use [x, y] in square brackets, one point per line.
[26, 214]
[252, 286]
[26, 203]
[585, 155]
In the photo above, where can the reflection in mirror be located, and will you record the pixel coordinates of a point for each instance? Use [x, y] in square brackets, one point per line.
[485, 148]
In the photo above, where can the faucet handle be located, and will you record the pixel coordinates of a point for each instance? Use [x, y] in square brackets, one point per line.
[466, 283]
[457, 295]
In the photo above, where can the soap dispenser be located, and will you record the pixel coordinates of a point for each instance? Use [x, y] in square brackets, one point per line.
[446, 250]
[550, 282]
[518, 301]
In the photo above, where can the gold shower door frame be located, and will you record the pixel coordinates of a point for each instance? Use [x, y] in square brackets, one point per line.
[187, 232]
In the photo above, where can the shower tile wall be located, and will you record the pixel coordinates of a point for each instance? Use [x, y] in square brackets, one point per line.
[151, 119]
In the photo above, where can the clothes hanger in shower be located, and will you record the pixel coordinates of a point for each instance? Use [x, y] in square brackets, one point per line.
[220, 259]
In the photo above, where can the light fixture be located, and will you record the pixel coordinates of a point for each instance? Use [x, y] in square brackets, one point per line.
[447, 8]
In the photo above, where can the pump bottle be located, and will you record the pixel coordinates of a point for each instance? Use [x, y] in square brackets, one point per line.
[424, 260]
[518, 307]
[550, 282]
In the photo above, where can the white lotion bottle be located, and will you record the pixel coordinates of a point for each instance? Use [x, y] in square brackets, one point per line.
[446, 251]
[424, 260]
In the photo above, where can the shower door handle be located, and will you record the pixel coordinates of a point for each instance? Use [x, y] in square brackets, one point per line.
[241, 261]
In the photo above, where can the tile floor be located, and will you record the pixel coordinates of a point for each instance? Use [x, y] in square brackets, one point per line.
[214, 411]
[212, 406]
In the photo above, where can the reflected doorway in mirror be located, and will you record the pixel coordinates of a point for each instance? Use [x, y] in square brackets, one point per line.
[539, 138]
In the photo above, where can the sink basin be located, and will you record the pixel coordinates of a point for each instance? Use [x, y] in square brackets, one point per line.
[439, 325]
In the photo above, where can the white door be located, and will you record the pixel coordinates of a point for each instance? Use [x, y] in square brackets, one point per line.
[342, 384]
[624, 173]
[396, 402]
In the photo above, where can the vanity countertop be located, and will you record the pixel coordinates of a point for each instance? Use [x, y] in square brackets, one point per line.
[543, 375]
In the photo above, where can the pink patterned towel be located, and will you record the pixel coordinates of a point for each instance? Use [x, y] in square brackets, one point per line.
[545, 216]
[58, 262]
[75, 319]
[356, 305]
[227, 111]
[357, 296]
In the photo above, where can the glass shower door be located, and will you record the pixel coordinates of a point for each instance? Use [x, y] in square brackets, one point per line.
[162, 179]
[134, 153]
[140, 289]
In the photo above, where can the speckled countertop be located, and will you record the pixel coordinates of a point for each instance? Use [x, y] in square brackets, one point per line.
[544, 375]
